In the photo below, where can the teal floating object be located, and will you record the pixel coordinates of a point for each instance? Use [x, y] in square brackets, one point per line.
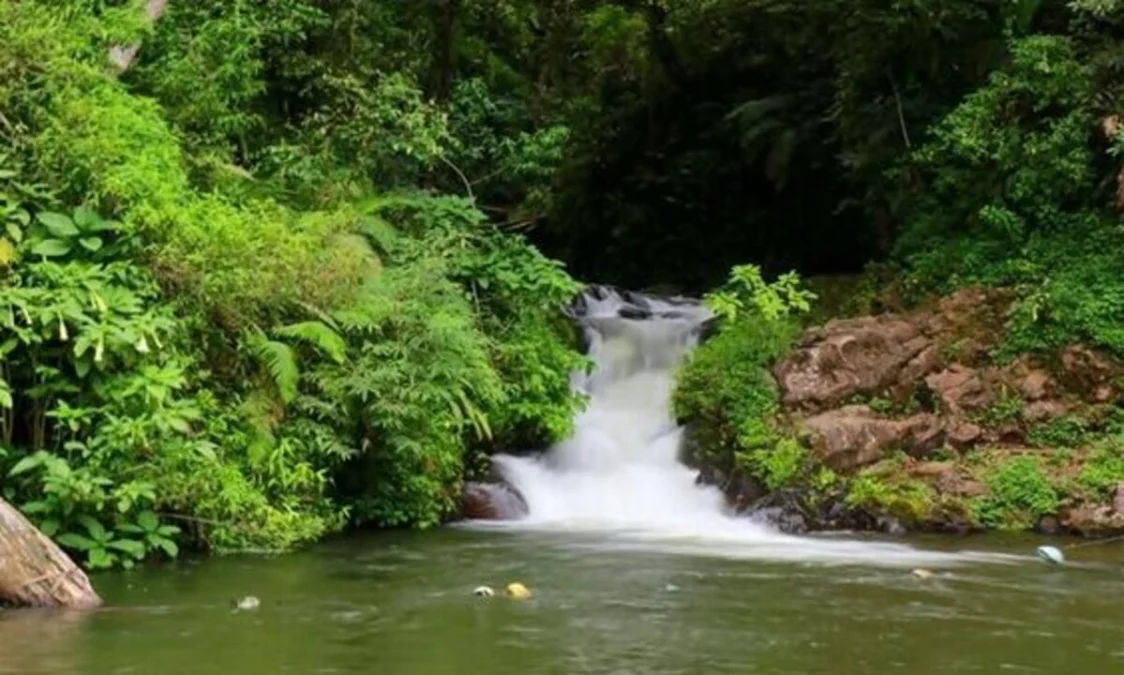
[1051, 554]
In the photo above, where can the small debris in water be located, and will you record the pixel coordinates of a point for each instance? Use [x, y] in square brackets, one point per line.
[922, 574]
[1051, 555]
[671, 588]
[518, 591]
[484, 591]
[247, 603]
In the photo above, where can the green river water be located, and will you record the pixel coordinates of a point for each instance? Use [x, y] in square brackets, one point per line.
[402, 603]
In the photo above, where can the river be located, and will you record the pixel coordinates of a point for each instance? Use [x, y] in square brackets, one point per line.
[402, 603]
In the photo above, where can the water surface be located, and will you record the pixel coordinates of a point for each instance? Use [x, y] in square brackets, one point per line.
[402, 603]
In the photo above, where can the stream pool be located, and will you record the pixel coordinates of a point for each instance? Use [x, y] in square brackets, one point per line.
[402, 603]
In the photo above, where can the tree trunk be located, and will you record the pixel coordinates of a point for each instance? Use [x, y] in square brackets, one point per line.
[36, 573]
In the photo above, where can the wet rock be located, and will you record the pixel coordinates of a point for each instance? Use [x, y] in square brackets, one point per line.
[1094, 521]
[890, 525]
[783, 510]
[853, 436]
[1049, 526]
[492, 501]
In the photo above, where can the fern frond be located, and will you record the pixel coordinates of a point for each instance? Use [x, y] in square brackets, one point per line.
[279, 359]
[318, 335]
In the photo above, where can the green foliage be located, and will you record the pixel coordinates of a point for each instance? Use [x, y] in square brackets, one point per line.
[776, 464]
[747, 293]
[1005, 409]
[725, 389]
[1019, 493]
[1103, 470]
[1067, 431]
[902, 498]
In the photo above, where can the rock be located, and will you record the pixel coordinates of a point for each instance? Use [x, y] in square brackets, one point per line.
[960, 389]
[1094, 521]
[492, 501]
[1035, 385]
[853, 436]
[890, 525]
[962, 434]
[932, 469]
[848, 357]
[952, 483]
[1049, 526]
[782, 510]
[1086, 369]
[1043, 411]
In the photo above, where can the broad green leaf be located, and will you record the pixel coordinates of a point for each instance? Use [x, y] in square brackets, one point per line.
[28, 463]
[130, 546]
[87, 220]
[49, 527]
[14, 231]
[75, 541]
[91, 243]
[57, 224]
[100, 558]
[168, 546]
[318, 335]
[96, 529]
[51, 248]
[148, 520]
[32, 508]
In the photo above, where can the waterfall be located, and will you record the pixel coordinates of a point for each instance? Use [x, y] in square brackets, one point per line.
[620, 473]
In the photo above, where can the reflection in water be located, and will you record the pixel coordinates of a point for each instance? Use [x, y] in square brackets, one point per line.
[402, 603]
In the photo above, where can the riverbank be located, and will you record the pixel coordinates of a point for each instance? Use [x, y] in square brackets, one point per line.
[918, 419]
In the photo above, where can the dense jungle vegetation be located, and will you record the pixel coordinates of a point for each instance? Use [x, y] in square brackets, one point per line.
[293, 266]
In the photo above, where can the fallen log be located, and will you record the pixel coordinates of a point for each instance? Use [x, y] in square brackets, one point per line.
[34, 572]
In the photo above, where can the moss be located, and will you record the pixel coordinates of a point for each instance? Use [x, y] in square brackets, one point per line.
[887, 490]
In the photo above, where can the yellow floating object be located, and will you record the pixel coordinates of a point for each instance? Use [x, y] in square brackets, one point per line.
[517, 590]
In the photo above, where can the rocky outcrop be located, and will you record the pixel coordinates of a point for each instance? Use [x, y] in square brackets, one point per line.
[492, 501]
[897, 389]
[930, 373]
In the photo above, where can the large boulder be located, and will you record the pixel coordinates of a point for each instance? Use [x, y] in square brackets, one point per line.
[492, 501]
[854, 436]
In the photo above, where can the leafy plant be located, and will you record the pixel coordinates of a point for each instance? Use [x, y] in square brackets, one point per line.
[1019, 493]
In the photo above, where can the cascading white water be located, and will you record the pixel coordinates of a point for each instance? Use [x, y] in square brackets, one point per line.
[620, 471]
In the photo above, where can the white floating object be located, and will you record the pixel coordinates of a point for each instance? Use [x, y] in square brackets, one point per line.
[671, 588]
[922, 574]
[1051, 555]
[483, 591]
